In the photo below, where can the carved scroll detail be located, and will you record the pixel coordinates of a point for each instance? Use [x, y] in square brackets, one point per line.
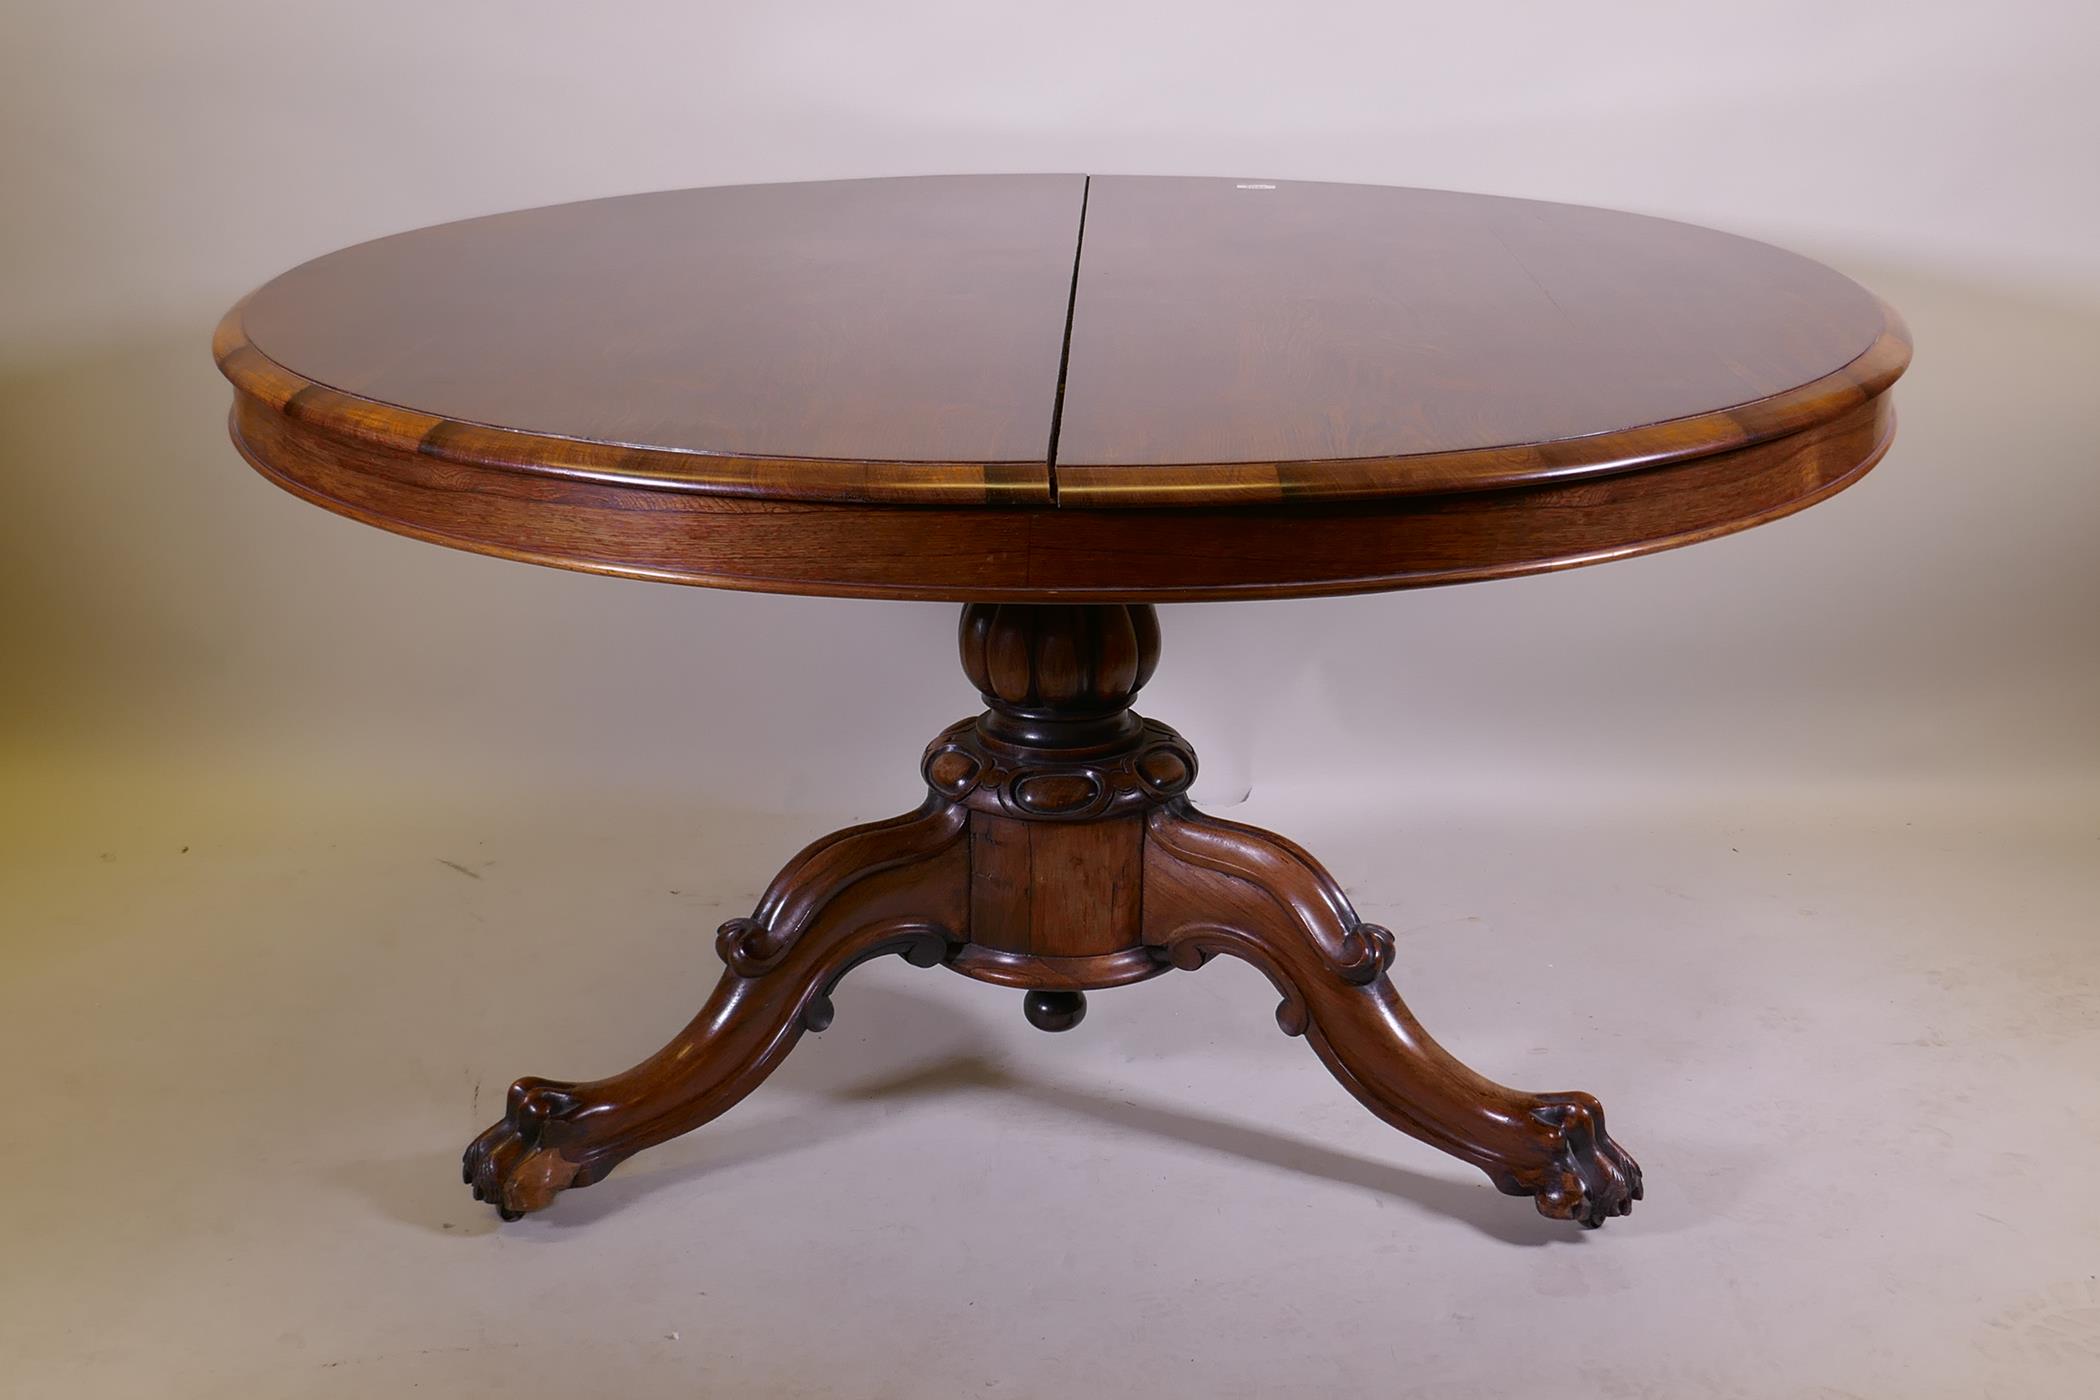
[1152, 766]
[755, 946]
[1282, 872]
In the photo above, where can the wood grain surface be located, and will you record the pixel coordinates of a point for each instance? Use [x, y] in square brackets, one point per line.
[1258, 340]
[863, 387]
[754, 336]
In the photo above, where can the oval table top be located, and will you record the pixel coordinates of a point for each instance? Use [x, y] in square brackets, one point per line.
[1043, 387]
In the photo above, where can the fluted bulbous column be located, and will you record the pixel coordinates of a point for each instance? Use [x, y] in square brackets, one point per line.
[1059, 675]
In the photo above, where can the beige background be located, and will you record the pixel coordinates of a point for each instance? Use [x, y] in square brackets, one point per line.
[1737, 819]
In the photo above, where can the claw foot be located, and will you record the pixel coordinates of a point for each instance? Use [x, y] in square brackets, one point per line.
[1587, 1178]
[517, 1164]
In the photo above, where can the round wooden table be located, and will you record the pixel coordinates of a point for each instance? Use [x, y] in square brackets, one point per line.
[1059, 400]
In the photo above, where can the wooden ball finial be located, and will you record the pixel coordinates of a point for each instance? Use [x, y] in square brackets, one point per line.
[1054, 1011]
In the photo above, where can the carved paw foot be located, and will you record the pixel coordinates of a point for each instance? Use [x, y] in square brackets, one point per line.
[1587, 1178]
[517, 1165]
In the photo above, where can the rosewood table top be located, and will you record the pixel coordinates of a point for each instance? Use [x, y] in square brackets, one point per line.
[1056, 387]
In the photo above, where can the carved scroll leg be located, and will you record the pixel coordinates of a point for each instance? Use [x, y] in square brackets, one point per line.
[890, 887]
[1219, 887]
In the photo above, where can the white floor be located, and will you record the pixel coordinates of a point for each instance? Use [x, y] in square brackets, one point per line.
[249, 1023]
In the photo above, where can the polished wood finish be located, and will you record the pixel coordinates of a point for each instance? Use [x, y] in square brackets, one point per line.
[1256, 341]
[1216, 887]
[894, 340]
[1059, 402]
[1140, 882]
[1054, 1011]
[1269, 392]
[890, 887]
[1036, 554]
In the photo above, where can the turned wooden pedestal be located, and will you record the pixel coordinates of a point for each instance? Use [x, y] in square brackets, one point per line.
[1057, 851]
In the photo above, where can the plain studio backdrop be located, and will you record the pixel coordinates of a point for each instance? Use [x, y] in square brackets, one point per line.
[314, 836]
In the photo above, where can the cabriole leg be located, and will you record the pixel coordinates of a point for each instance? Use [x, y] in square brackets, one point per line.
[890, 887]
[1220, 887]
